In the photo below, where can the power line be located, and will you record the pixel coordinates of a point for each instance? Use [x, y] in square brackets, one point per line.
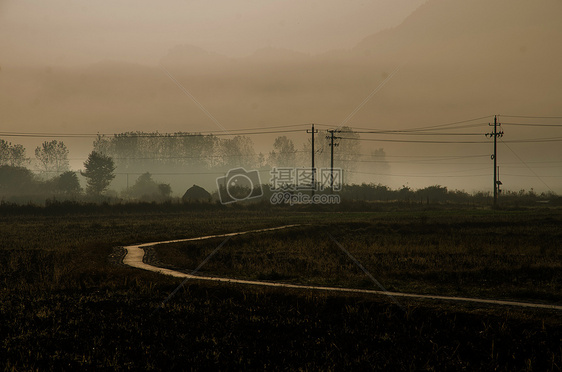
[532, 171]
[458, 171]
[139, 135]
[410, 141]
[420, 161]
[529, 176]
[532, 117]
[456, 122]
[533, 124]
[191, 157]
[171, 173]
[535, 140]
[262, 130]
[420, 175]
[423, 159]
[452, 125]
[423, 156]
[510, 165]
[265, 130]
[267, 127]
[412, 133]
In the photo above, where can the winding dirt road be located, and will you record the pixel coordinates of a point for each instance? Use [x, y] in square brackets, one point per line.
[135, 254]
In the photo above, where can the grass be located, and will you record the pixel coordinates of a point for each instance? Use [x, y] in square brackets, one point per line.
[516, 257]
[65, 304]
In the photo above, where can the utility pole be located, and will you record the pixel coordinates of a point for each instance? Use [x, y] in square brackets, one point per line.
[495, 134]
[498, 182]
[313, 169]
[332, 144]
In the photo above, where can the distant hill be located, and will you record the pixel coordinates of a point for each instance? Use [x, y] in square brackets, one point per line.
[500, 52]
[184, 56]
[453, 59]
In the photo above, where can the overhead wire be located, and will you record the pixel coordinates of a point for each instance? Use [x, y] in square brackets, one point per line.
[420, 175]
[429, 131]
[530, 169]
[452, 125]
[533, 124]
[419, 159]
[411, 141]
[193, 157]
[140, 135]
[531, 117]
[411, 133]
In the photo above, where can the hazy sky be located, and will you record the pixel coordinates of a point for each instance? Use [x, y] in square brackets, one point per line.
[451, 60]
[65, 32]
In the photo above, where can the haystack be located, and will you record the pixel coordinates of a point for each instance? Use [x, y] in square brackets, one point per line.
[196, 193]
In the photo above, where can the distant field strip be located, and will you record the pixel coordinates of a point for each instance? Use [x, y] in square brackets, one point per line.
[135, 254]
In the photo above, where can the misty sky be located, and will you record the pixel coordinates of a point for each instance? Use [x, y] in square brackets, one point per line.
[65, 32]
[95, 66]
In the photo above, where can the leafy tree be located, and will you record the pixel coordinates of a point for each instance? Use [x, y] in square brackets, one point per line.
[13, 155]
[16, 181]
[405, 193]
[68, 183]
[53, 157]
[165, 189]
[99, 172]
[283, 154]
[436, 193]
[378, 165]
[146, 188]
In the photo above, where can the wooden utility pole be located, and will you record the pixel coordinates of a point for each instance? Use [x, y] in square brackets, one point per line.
[495, 134]
[313, 169]
[331, 137]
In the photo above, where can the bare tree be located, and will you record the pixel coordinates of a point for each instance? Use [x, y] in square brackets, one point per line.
[237, 152]
[13, 155]
[283, 154]
[52, 157]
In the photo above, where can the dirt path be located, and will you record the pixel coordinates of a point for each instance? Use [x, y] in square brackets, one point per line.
[135, 254]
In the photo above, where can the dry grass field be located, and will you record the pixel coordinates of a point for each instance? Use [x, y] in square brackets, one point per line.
[67, 303]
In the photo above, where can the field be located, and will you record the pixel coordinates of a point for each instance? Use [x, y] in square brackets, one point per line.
[66, 302]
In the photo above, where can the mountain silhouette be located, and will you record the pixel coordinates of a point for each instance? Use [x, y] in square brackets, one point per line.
[451, 59]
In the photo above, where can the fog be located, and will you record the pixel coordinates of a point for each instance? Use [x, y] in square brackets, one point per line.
[112, 67]
[63, 32]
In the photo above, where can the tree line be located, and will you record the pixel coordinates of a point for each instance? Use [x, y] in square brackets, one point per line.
[136, 153]
[144, 154]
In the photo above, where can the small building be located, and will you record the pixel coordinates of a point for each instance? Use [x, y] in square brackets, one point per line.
[196, 194]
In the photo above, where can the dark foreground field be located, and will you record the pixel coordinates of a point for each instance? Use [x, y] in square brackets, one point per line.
[66, 303]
